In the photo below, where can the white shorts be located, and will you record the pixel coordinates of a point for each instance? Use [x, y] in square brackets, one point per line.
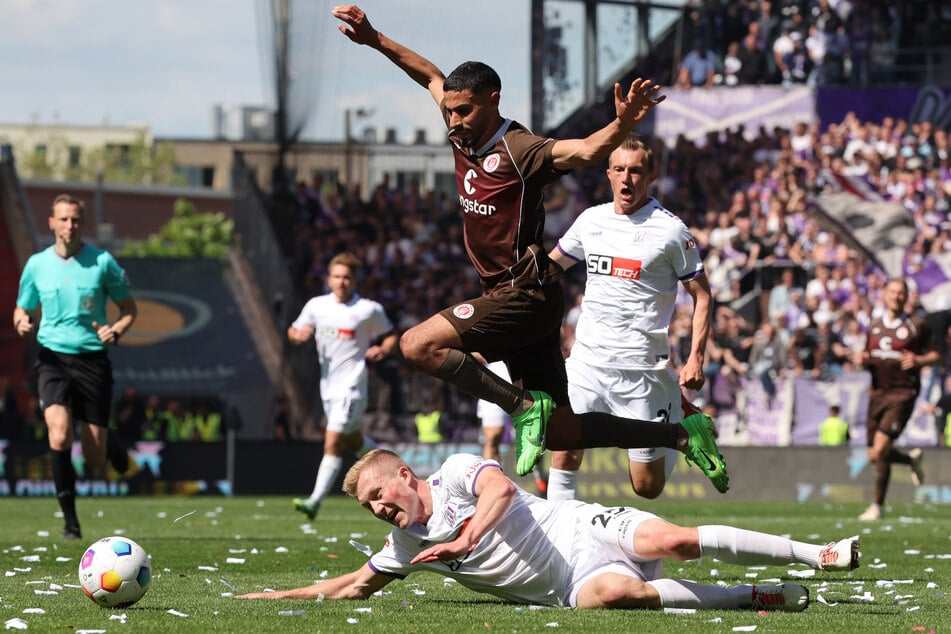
[344, 414]
[605, 544]
[652, 395]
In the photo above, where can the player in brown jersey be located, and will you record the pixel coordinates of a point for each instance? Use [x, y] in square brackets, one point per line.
[501, 172]
[898, 345]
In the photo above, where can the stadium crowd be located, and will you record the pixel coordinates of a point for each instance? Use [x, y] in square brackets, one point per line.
[748, 204]
[815, 42]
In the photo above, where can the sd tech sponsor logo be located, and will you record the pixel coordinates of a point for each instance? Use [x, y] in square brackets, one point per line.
[615, 267]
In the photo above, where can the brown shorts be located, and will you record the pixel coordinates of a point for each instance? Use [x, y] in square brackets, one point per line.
[888, 412]
[521, 326]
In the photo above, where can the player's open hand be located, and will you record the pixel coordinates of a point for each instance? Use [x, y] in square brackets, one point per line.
[360, 30]
[639, 100]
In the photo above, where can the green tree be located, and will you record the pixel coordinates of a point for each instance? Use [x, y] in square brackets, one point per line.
[187, 234]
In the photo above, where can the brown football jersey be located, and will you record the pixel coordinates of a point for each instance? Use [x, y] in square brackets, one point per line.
[885, 345]
[501, 193]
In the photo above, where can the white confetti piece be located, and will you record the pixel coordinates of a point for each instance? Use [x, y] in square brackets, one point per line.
[320, 597]
[363, 548]
[9, 573]
[90, 632]
[679, 611]
[34, 611]
[237, 551]
[291, 612]
[913, 608]
[752, 575]
[931, 584]
[744, 628]
[233, 589]
[912, 551]
[45, 592]
[30, 558]
[535, 608]
[352, 621]
[209, 568]
[552, 624]
[176, 612]
[227, 594]
[181, 517]
[62, 559]
[234, 560]
[16, 624]
[802, 574]
[364, 610]
[716, 620]
[42, 533]
[881, 565]
[419, 592]
[118, 617]
[281, 549]
[821, 599]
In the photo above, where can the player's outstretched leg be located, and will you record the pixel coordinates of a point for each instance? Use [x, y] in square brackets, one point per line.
[530, 429]
[702, 450]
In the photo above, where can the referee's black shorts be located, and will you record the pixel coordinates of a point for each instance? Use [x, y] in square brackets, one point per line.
[521, 326]
[81, 382]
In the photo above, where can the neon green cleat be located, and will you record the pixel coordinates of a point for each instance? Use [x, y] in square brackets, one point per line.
[530, 429]
[702, 450]
[307, 507]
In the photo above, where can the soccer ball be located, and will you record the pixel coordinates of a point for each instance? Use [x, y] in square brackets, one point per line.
[115, 572]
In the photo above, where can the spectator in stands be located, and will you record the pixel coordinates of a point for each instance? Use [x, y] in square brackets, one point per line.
[698, 67]
[732, 65]
[754, 65]
[769, 357]
[349, 331]
[796, 63]
[72, 282]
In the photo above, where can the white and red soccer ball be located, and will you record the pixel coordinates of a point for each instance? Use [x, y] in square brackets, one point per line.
[115, 572]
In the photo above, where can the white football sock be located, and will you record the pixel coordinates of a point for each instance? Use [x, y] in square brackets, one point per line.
[327, 474]
[740, 546]
[562, 485]
[680, 593]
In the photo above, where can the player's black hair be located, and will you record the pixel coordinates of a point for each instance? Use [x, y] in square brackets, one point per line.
[474, 76]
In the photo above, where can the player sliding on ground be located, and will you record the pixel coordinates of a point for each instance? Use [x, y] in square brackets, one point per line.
[470, 522]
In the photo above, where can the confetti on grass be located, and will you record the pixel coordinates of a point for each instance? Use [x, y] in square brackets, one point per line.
[183, 516]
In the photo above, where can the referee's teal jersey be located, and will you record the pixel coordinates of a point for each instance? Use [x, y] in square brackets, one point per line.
[73, 293]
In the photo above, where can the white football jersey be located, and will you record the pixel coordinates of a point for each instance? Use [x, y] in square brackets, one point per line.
[343, 333]
[526, 558]
[634, 263]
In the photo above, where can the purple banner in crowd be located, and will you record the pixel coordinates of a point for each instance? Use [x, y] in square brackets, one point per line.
[768, 420]
[695, 113]
[814, 398]
[914, 105]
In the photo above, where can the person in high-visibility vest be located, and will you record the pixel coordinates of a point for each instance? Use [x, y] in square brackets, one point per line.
[833, 430]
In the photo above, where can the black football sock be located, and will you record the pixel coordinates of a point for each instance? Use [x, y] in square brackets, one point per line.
[64, 479]
[470, 376]
[596, 429]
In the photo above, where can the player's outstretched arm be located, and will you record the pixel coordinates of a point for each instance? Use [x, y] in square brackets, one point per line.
[357, 27]
[631, 108]
[359, 584]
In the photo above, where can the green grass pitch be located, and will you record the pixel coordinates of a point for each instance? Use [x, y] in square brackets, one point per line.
[205, 547]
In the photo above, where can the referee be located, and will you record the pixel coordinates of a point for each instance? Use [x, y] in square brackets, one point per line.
[71, 280]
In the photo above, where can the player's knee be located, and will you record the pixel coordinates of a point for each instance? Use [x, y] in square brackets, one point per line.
[633, 593]
[411, 345]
